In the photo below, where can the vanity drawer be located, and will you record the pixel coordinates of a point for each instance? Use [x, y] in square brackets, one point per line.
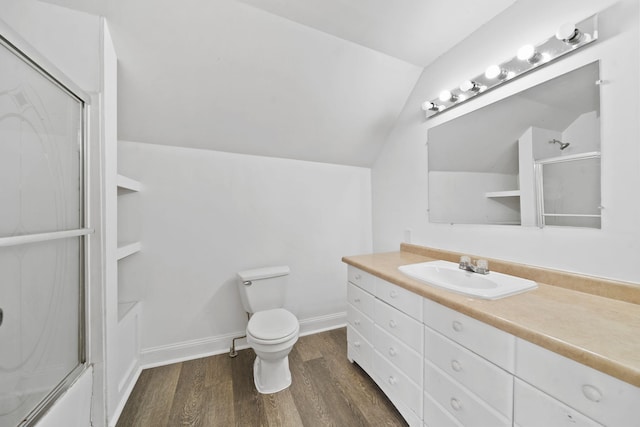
[361, 278]
[465, 406]
[533, 408]
[359, 349]
[604, 398]
[398, 353]
[486, 380]
[398, 324]
[360, 322]
[360, 299]
[397, 385]
[489, 342]
[402, 299]
[435, 415]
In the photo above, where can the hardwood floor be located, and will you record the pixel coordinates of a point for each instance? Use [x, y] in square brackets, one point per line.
[326, 390]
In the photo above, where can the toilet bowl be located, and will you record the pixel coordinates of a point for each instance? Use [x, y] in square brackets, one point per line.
[272, 334]
[272, 330]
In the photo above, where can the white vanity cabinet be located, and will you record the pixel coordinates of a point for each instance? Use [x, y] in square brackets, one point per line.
[441, 368]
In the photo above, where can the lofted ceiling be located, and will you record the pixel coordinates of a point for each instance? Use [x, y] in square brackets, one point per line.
[316, 80]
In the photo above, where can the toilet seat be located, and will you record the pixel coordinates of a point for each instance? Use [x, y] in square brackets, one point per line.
[272, 326]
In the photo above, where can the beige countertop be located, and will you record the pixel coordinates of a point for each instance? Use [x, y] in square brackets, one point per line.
[597, 331]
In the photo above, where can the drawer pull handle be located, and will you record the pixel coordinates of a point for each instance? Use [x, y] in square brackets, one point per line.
[457, 326]
[392, 351]
[591, 393]
[392, 323]
[358, 277]
[392, 380]
[455, 404]
[356, 300]
[456, 366]
[357, 344]
[357, 322]
[393, 293]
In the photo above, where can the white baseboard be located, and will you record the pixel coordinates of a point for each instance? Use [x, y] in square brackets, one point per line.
[194, 349]
[315, 325]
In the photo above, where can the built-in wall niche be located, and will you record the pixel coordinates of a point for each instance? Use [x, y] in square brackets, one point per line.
[530, 159]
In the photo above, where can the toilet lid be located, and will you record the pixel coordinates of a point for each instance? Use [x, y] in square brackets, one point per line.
[272, 324]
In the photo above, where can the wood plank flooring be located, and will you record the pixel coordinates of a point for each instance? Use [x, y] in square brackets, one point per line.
[326, 390]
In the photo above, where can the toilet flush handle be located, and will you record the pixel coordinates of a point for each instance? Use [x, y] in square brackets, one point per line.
[247, 283]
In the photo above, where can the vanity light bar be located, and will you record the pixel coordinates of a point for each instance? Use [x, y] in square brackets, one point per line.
[567, 39]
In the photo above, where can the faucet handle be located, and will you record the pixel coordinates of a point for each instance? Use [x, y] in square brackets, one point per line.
[482, 266]
[465, 262]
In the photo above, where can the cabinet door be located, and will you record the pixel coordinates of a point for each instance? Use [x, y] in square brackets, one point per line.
[360, 322]
[491, 343]
[398, 324]
[435, 415]
[359, 350]
[362, 279]
[606, 399]
[486, 380]
[461, 403]
[400, 298]
[360, 299]
[396, 385]
[533, 408]
[402, 356]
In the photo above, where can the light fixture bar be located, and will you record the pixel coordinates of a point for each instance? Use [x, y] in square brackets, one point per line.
[566, 40]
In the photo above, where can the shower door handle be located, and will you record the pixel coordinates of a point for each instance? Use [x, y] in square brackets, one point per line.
[1, 316]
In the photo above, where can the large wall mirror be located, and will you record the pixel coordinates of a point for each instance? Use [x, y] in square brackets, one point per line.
[530, 159]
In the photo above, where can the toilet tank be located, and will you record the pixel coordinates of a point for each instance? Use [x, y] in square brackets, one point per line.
[263, 288]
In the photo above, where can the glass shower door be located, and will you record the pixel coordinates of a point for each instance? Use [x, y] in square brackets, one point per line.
[42, 233]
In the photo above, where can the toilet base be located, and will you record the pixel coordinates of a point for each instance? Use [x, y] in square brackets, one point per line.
[271, 376]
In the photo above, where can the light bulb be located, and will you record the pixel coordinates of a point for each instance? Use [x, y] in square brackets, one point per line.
[569, 34]
[528, 53]
[469, 85]
[430, 106]
[494, 71]
[446, 95]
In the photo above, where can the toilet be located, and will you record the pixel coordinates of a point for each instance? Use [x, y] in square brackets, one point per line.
[272, 331]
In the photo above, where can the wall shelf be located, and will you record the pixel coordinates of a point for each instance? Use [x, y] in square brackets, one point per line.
[129, 184]
[497, 194]
[124, 250]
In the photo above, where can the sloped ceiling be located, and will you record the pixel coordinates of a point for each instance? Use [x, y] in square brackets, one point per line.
[317, 80]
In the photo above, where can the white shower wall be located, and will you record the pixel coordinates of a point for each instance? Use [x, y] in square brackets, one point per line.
[204, 215]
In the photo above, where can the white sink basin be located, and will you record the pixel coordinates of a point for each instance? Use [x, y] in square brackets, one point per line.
[447, 275]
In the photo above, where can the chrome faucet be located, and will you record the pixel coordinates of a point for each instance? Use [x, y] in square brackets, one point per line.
[481, 266]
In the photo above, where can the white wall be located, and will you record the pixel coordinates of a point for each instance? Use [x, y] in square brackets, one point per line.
[399, 176]
[460, 198]
[69, 39]
[583, 134]
[204, 215]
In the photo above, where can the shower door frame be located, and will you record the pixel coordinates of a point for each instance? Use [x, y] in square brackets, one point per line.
[25, 52]
[538, 168]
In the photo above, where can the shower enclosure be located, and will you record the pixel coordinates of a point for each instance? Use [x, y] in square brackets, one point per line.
[42, 234]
